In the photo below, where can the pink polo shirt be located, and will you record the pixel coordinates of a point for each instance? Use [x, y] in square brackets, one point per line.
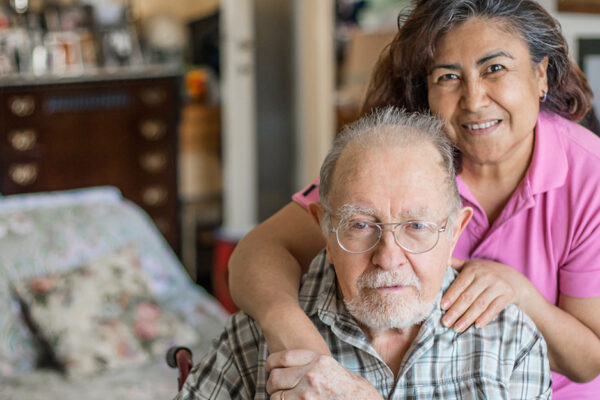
[550, 228]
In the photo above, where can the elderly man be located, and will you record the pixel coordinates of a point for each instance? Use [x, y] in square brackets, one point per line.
[391, 215]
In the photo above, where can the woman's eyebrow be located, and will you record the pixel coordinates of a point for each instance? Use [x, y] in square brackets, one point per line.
[488, 57]
[481, 61]
[454, 67]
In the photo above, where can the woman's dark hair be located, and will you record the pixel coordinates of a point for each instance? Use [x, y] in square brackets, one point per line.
[400, 76]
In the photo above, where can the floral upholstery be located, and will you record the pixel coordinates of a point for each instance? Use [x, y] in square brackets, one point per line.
[101, 315]
[41, 235]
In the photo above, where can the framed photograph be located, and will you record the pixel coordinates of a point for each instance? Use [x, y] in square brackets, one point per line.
[580, 6]
[589, 61]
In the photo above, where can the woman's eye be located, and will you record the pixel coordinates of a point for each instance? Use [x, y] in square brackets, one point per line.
[447, 78]
[494, 68]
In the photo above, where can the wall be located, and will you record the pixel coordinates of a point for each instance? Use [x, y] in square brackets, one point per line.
[574, 25]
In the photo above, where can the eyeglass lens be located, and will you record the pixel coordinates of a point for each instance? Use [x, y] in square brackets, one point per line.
[414, 236]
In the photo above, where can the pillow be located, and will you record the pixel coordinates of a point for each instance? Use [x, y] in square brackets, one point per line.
[100, 315]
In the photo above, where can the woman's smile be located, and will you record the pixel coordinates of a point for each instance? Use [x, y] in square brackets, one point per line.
[482, 127]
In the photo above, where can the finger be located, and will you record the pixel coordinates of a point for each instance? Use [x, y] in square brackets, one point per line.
[492, 311]
[463, 303]
[289, 358]
[460, 284]
[284, 378]
[457, 263]
[477, 308]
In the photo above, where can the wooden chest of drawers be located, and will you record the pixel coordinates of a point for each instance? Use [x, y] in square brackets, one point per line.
[86, 133]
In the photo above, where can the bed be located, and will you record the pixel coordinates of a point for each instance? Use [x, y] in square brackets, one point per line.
[91, 296]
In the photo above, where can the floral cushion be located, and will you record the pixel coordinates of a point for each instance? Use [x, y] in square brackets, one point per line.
[101, 315]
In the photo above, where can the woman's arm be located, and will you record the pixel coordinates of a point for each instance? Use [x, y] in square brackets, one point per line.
[264, 277]
[573, 336]
[572, 330]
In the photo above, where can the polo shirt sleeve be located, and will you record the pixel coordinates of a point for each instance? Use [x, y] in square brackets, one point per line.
[308, 195]
[579, 276]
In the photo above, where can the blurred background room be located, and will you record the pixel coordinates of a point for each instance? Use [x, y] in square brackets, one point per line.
[208, 114]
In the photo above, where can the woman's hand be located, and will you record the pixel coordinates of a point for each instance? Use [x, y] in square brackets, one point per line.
[480, 291]
[306, 374]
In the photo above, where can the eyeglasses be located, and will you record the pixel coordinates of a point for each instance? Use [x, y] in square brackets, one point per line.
[416, 237]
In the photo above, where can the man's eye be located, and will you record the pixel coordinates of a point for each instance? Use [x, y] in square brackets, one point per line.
[359, 225]
[417, 226]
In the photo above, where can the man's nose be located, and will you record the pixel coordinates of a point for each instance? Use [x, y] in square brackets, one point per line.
[388, 254]
[474, 96]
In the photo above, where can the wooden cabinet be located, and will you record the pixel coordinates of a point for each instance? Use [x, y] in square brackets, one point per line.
[119, 132]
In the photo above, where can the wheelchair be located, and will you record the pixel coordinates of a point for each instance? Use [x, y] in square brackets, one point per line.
[181, 358]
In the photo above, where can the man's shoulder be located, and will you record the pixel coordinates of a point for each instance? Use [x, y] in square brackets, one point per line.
[240, 331]
[511, 324]
[316, 284]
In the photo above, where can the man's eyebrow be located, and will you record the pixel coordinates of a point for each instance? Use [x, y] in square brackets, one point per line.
[347, 211]
[419, 213]
[481, 61]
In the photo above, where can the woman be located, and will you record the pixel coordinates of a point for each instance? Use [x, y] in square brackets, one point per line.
[497, 72]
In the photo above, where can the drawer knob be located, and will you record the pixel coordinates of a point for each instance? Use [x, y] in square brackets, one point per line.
[154, 196]
[153, 129]
[22, 106]
[23, 174]
[22, 140]
[153, 96]
[153, 162]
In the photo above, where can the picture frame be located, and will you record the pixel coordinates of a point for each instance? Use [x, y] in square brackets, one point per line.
[579, 6]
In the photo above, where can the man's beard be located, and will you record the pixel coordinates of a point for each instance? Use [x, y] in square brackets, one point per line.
[386, 310]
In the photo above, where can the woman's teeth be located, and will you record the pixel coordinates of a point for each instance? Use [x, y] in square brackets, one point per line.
[482, 126]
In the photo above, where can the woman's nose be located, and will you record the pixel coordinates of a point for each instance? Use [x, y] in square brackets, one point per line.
[474, 96]
[387, 253]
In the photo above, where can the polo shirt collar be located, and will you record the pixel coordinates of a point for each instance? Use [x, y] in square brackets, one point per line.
[549, 165]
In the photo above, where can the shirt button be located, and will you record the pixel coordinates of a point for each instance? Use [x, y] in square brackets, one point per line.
[479, 230]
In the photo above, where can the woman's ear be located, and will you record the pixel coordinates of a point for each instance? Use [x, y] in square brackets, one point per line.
[542, 73]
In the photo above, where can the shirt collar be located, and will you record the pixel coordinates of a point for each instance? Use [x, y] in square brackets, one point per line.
[549, 165]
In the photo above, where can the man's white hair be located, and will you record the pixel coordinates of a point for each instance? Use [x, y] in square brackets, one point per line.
[391, 127]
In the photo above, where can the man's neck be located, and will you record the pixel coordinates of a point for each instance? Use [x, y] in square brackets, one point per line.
[392, 344]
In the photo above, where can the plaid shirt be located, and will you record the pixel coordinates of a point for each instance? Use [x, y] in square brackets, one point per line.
[505, 360]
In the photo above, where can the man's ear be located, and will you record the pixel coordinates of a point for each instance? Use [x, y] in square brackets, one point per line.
[317, 211]
[460, 223]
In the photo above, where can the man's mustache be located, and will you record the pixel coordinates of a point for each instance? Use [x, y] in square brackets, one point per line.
[398, 277]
